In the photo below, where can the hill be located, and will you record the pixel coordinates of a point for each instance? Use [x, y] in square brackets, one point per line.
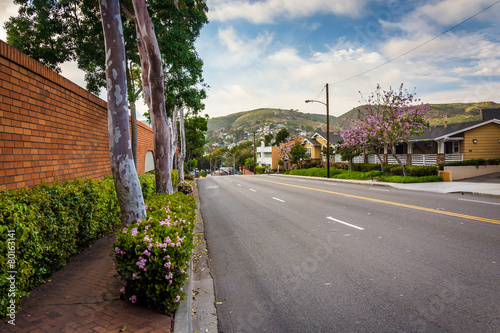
[251, 120]
[236, 125]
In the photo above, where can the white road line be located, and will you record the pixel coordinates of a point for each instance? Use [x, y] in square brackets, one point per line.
[278, 199]
[348, 224]
[485, 202]
[253, 190]
[376, 189]
[238, 184]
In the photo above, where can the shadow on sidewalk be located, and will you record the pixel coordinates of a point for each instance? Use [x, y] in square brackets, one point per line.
[84, 296]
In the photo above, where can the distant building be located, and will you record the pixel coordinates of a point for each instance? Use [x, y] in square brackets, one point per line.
[267, 156]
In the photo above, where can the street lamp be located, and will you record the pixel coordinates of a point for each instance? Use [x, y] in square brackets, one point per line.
[327, 130]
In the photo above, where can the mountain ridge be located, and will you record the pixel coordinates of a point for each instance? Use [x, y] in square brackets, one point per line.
[295, 121]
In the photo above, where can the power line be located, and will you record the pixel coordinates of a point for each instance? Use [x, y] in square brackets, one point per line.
[419, 46]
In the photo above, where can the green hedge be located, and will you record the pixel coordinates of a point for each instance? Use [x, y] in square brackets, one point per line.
[476, 162]
[152, 255]
[51, 223]
[409, 179]
[259, 170]
[314, 172]
[358, 175]
[415, 170]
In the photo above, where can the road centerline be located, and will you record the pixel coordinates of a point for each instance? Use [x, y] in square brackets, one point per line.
[392, 203]
[277, 199]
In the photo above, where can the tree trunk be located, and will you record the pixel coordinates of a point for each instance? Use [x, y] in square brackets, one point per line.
[393, 152]
[182, 142]
[172, 123]
[133, 121]
[154, 94]
[128, 188]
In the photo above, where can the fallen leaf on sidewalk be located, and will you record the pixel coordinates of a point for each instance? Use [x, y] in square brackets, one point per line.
[124, 328]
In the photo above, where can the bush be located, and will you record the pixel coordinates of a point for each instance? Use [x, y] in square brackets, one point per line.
[259, 170]
[366, 166]
[314, 172]
[175, 178]
[51, 223]
[476, 162]
[201, 174]
[148, 184]
[408, 179]
[415, 170]
[189, 177]
[358, 175]
[309, 165]
[152, 255]
[185, 187]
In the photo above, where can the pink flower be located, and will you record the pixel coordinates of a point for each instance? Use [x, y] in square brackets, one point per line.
[177, 299]
[122, 290]
[135, 276]
[133, 299]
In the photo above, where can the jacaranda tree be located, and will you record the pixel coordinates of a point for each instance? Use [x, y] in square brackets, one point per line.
[389, 118]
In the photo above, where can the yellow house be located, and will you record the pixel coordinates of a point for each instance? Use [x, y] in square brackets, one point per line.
[457, 142]
[315, 144]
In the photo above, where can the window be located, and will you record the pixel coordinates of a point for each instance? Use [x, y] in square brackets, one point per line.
[452, 147]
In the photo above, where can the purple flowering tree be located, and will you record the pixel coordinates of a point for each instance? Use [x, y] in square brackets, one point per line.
[285, 148]
[390, 118]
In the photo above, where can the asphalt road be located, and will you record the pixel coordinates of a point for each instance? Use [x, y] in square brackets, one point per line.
[295, 255]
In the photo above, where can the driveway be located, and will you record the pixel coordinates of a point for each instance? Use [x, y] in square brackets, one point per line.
[493, 178]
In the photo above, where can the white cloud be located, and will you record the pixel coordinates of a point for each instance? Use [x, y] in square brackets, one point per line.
[268, 11]
[238, 50]
[7, 9]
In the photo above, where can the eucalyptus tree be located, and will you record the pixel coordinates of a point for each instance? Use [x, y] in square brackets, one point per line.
[55, 31]
[128, 188]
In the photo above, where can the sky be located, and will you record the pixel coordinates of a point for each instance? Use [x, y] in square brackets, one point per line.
[279, 53]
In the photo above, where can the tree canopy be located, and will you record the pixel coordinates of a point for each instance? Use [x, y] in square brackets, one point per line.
[389, 118]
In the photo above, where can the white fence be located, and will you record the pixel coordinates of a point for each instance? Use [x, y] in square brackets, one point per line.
[423, 159]
[416, 159]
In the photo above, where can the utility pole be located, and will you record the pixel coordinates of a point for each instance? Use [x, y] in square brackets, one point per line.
[254, 153]
[327, 134]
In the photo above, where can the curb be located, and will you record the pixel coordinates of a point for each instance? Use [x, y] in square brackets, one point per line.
[182, 317]
[197, 314]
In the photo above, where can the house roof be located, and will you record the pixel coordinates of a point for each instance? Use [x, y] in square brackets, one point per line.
[489, 114]
[333, 137]
[441, 132]
[313, 142]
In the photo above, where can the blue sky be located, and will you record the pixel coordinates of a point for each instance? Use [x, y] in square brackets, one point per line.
[278, 53]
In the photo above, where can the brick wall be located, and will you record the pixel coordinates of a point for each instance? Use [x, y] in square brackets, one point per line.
[50, 128]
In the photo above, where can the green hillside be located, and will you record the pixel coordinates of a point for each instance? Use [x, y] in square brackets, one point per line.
[295, 121]
[250, 120]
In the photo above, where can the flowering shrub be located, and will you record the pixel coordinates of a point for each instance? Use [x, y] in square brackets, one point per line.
[152, 255]
[185, 187]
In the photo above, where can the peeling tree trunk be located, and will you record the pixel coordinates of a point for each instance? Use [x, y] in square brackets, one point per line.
[133, 121]
[127, 184]
[174, 138]
[154, 95]
[182, 142]
[393, 152]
